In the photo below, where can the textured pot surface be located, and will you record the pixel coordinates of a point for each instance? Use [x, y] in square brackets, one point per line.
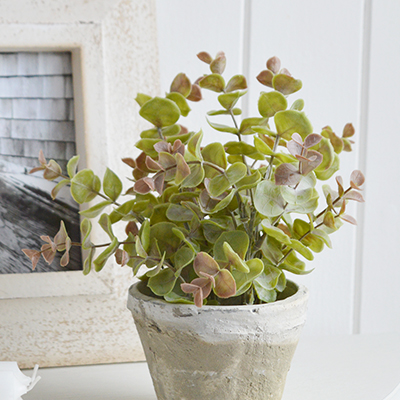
[218, 352]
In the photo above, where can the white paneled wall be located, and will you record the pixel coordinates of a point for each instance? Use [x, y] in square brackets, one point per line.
[343, 52]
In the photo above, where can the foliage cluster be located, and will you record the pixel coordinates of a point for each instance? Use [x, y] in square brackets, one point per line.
[223, 223]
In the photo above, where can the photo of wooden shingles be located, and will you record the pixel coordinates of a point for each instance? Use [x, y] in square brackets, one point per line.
[36, 113]
[36, 107]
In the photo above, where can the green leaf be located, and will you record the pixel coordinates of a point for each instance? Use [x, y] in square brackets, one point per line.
[229, 100]
[214, 82]
[58, 187]
[144, 234]
[249, 181]
[286, 84]
[85, 186]
[147, 146]
[94, 211]
[266, 295]
[101, 260]
[86, 228]
[243, 280]
[141, 99]
[112, 185]
[234, 259]
[215, 154]
[323, 236]
[194, 146]
[181, 102]
[270, 103]
[221, 183]
[297, 105]
[223, 128]
[324, 175]
[275, 232]
[242, 148]
[168, 242]
[182, 169]
[183, 257]
[235, 111]
[270, 277]
[290, 121]
[272, 249]
[262, 147]
[87, 264]
[237, 82]
[195, 178]
[162, 283]
[160, 112]
[177, 213]
[268, 200]
[301, 249]
[71, 166]
[238, 241]
[105, 223]
[326, 149]
[247, 124]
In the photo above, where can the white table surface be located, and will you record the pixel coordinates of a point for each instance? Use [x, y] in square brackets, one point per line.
[361, 367]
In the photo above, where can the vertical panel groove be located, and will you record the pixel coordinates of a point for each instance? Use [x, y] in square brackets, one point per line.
[246, 47]
[364, 107]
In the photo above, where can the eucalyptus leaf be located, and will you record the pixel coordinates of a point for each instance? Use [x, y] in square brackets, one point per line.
[268, 199]
[160, 112]
[290, 121]
[270, 103]
[85, 186]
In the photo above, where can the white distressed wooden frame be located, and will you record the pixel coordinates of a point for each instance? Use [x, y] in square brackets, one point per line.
[64, 318]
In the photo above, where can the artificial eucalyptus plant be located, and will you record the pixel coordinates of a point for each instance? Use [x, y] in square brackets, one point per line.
[219, 224]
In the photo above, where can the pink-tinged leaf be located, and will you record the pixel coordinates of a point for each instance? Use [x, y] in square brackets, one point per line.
[312, 140]
[42, 158]
[205, 57]
[144, 185]
[349, 219]
[287, 174]
[48, 253]
[46, 239]
[356, 196]
[159, 182]
[297, 138]
[195, 93]
[182, 168]
[129, 161]
[346, 145]
[153, 165]
[205, 263]
[121, 257]
[357, 179]
[339, 181]
[348, 130]
[52, 171]
[36, 169]
[178, 147]
[315, 159]
[65, 258]
[285, 72]
[218, 65]
[209, 277]
[141, 163]
[329, 220]
[342, 208]
[274, 64]
[167, 160]
[294, 148]
[205, 284]
[265, 77]
[33, 255]
[131, 227]
[163, 146]
[181, 84]
[198, 298]
[61, 237]
[189, 288]
[225, 285]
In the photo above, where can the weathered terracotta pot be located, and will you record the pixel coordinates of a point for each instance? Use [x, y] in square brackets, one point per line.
[218, 352]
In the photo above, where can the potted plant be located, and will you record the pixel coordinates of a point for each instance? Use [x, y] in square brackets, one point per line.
[212, 231]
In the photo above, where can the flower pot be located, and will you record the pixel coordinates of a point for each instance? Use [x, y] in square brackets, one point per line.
[218, 352]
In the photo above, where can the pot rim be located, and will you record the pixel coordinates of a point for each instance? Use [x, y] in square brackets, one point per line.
[301, 295]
